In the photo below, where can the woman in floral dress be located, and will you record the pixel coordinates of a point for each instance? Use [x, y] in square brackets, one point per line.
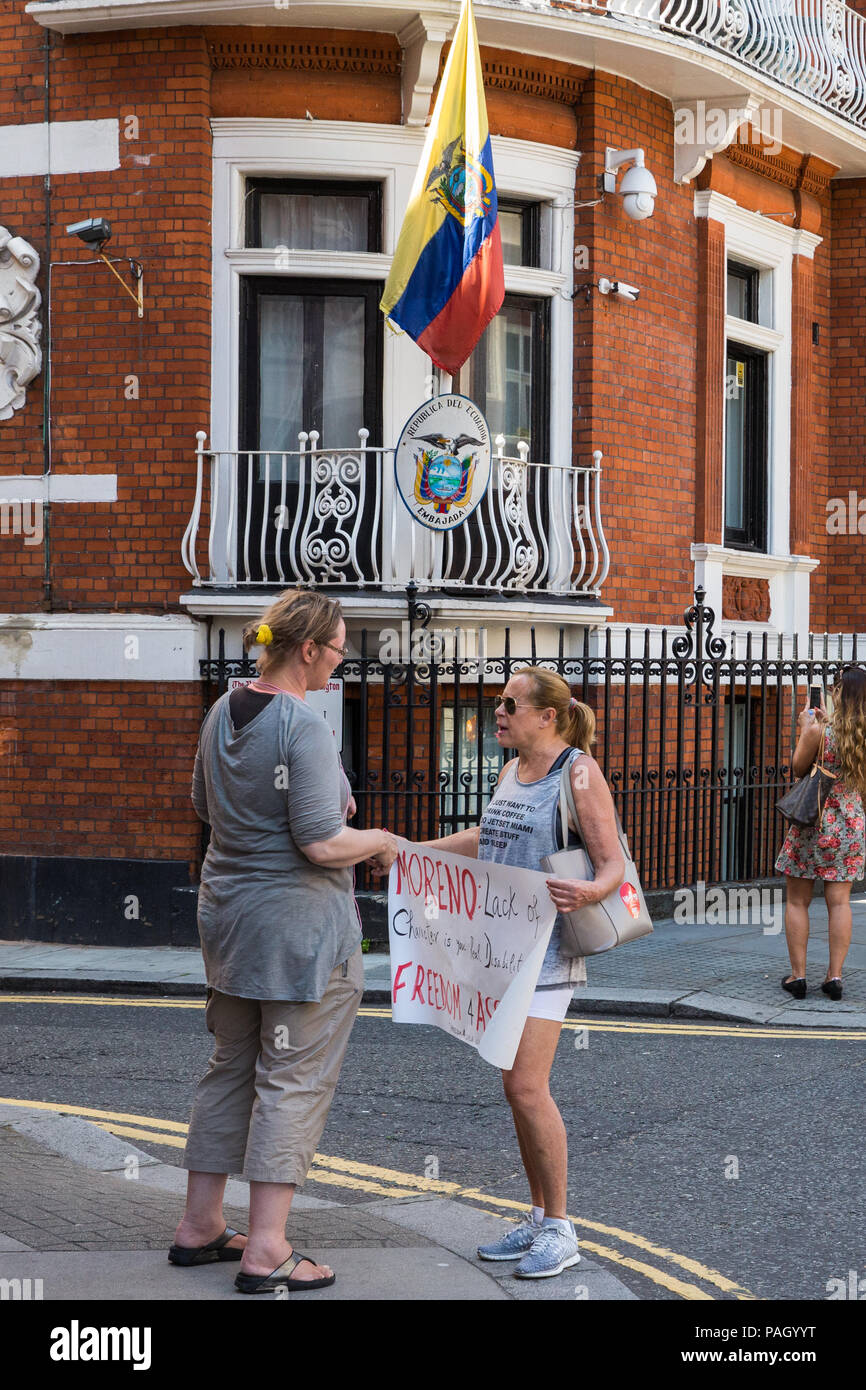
[835, 849]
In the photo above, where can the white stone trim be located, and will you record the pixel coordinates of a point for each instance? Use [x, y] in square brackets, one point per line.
[100, 647]
[421, 40]
[59, 487]
[788, 577]
[770, 247]
[63, 147]
[691, 156]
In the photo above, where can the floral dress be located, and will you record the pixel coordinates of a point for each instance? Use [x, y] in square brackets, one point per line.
[835, 849]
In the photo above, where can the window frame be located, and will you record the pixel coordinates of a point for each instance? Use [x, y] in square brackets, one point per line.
[249, 391]
[530, 231]
[751, 274]
[540, 345]
[752, 536]
[310, 187]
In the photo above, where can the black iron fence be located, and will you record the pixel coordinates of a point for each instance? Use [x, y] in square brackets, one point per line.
[694, 735]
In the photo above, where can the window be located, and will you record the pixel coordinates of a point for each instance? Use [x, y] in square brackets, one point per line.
[310, 215]
[742, 292]
[508, 375]
[520, 229]
[470, 760]
[746, 448]
[311, 359]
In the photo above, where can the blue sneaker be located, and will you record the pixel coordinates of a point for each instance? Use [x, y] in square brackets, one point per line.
[553, 1250]
[516, 1242]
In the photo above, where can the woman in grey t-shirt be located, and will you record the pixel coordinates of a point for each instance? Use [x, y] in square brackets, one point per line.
[539, 718]
[281, 940]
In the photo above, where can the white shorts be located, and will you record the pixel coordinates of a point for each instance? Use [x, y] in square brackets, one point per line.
[551, 1003]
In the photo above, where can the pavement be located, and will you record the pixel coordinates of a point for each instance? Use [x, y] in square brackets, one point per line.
[86, 1216]
[691, 969]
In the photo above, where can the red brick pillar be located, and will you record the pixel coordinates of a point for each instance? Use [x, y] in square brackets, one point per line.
[802, 280]
[710, 381]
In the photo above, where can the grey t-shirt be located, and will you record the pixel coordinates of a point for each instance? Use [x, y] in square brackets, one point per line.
[272, 924]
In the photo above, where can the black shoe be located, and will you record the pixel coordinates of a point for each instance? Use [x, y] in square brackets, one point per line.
[795, 987]
[833, 988]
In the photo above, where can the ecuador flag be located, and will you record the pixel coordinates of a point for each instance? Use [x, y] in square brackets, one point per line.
[447, 280]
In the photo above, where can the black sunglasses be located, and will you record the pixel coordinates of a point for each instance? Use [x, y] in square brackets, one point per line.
[511, 704]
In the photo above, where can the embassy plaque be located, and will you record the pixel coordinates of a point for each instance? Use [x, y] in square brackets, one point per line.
[442, 462]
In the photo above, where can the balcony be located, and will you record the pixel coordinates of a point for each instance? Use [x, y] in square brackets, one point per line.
[814, 49]
[324, 517]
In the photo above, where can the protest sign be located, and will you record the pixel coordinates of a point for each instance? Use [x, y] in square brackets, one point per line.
[467, 941]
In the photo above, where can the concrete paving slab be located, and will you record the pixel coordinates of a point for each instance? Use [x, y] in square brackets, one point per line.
[403, 1275]
[703, 1005]
[799, 1017]
[75, 1138]
[461, 1228]
[7, 1243]
[599, 999]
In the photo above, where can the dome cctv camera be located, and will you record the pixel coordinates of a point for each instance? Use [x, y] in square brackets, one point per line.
[638, 190]
[638, 187]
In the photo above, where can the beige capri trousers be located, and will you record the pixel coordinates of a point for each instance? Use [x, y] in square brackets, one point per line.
[260, 1108]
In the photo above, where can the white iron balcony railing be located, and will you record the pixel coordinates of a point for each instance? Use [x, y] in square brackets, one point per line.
[814, 47]
[315, 516]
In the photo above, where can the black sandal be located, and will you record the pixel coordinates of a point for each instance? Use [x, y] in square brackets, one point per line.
[795, 987]
[281, 1278]
[206, 1254]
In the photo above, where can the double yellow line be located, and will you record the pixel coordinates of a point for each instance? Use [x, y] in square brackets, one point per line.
[591, 1023]
[333, 1171]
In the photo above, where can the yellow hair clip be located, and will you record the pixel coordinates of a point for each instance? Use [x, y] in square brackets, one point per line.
[264, 636]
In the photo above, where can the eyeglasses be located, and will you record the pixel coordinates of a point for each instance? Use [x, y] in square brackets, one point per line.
[511, 704]
[342, 652]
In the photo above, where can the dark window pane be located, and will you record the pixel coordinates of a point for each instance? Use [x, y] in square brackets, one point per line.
[742, 292]
[507, 375]
[746, 405]
[735, 446]
[311, 360]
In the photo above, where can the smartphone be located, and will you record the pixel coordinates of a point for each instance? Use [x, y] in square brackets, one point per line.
[815, 696]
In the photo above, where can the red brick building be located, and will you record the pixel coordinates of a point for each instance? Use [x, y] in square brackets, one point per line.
[254, 175]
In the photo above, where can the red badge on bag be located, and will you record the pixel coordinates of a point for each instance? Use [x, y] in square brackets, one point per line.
[629, 895]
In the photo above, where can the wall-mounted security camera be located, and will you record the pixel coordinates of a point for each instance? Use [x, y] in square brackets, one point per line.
[630, 293]
[637, 188]
[93, 230]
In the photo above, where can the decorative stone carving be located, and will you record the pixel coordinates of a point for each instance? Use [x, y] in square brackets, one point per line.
[553, 82]
[703, 126]
[360, 57]
[790, 168]
[421, 42]
[20, 328]
[745, 599]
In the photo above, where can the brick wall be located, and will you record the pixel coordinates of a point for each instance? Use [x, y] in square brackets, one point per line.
[634, 370]
[101, 770]
[157, 82]
[844, 581]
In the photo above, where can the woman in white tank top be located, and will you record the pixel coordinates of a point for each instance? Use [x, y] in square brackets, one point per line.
[539, 718]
